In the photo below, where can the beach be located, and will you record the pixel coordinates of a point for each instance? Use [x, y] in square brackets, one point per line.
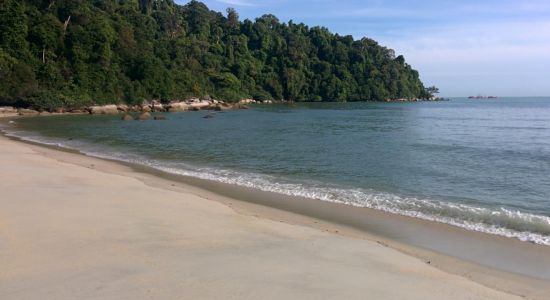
[78, 227]
[190, 150]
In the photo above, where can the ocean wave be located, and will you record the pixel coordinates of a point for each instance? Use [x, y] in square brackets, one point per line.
[501, 221]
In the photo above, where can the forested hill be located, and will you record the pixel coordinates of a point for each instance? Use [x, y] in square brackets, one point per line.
[74, 52]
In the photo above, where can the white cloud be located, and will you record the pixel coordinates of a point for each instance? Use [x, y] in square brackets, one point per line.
[511, 58]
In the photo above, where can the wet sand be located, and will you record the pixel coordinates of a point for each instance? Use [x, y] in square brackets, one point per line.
[73, 226]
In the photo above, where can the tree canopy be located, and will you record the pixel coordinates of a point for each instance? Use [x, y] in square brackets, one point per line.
[74, 52]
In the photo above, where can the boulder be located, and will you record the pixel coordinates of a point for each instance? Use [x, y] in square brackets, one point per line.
[27, 112]
[156, 106]
[144, 116]
[122, 108]
[127, 117]
[200, 104]
[160, 108]
[159, 118]
[110, 109]
[178, 106]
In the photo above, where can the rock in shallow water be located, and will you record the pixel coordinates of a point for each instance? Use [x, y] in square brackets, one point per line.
[127, 118]
[144, 116]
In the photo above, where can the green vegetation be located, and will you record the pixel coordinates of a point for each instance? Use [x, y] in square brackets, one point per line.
[74, 52]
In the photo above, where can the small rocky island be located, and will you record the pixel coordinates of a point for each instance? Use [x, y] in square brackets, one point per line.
[482, 97]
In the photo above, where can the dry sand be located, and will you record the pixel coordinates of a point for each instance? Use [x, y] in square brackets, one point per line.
[73, 231]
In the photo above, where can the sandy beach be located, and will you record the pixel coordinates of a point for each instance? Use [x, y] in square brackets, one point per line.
[76, 227]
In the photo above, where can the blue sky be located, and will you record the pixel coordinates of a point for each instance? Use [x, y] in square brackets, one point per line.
[467, 47]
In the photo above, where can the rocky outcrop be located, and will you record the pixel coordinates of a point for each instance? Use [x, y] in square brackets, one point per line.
[145, 108]
[8, 111]
[195, 104]
[178, 106]
[110, 109]
[200, 104]
[190, 104]
[27, 112]
[123, 108]
[157, 106]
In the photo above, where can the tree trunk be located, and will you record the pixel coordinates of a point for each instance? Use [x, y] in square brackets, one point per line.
[66, 24]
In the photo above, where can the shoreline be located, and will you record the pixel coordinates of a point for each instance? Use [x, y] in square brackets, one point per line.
[365, 224]
[192, 104]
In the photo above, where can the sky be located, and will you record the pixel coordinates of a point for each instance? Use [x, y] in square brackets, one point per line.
[464, 47]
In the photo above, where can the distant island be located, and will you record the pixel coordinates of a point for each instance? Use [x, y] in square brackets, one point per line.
[482, 97]
[67, 54]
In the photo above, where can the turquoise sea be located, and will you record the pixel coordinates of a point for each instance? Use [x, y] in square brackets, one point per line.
[483, 165]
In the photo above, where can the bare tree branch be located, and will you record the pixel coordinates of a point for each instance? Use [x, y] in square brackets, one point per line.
[66, 24]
